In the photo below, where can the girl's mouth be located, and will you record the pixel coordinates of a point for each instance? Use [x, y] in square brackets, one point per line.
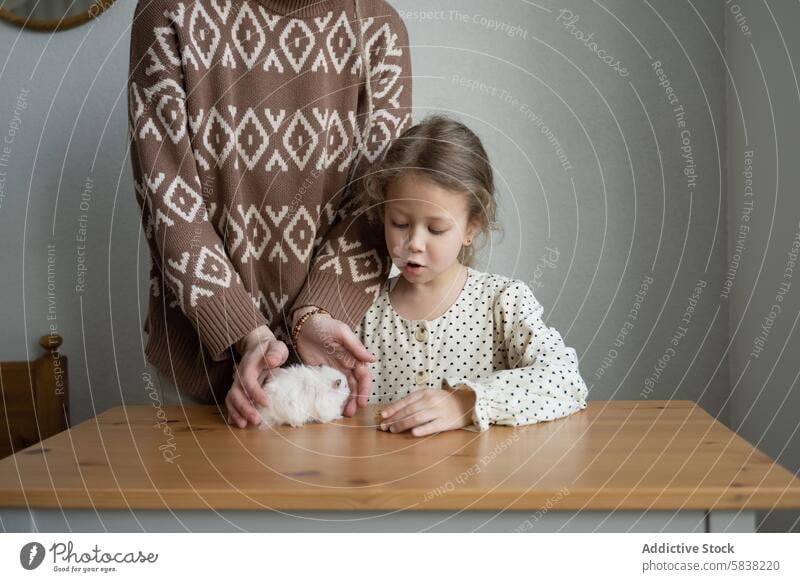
[412, 267]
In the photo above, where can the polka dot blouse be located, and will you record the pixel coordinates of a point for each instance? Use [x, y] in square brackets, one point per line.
[492, 340]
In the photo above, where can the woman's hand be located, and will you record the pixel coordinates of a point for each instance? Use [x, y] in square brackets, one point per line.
[324, 340]
[261, 353]
[430, 411]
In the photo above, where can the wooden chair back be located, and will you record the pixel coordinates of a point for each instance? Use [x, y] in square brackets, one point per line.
[34, 398]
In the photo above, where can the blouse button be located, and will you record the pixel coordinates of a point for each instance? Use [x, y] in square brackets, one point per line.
[422, 334]
[422, 377]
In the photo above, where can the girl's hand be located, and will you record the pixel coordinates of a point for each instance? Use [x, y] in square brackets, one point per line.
[430, 411]
[262, 352]
[324, 340]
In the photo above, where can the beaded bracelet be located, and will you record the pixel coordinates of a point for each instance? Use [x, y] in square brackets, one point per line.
[299, 325]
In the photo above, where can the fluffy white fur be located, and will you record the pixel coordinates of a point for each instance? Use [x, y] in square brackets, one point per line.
[300, 394]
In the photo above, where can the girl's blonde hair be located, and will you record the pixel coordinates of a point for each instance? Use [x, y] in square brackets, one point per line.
[446, 152]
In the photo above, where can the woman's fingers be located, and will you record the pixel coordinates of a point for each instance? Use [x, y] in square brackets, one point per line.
[242, 405]
[234, 418]
[350, 405]
[254, 368]
[247, 375]
[352, 344]
[364, 378]
[276, 353]
[257, 367]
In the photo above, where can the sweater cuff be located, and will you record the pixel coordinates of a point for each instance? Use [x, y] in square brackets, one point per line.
[226, 320]
[480, 412]
[344, 300]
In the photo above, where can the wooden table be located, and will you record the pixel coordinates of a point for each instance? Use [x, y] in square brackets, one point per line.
[616, 466]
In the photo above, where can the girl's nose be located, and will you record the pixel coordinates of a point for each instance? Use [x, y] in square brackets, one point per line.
[417, 241]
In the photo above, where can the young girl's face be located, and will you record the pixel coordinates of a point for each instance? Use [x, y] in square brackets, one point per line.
[425, 226]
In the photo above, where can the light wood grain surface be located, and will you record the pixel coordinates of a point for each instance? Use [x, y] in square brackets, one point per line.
[613, 455]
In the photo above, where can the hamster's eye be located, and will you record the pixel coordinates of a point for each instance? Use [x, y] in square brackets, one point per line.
[337, 384]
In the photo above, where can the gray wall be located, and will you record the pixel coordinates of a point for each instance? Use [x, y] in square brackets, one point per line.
[67, 92]
[764, 126]
[615, 207]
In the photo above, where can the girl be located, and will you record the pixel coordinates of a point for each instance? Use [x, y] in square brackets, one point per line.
[455, 347]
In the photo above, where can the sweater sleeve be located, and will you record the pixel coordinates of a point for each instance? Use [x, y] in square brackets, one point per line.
[351, 260]
[541, 381]
[186, 249]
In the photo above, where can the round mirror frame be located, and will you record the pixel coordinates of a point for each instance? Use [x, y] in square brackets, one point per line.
[95, 10]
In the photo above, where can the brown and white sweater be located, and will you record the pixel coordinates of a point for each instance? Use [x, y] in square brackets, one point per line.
[245, 117]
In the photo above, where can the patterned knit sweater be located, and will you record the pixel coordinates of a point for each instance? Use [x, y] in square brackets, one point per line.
[246, 118]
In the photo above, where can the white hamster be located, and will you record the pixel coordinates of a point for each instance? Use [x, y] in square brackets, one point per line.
[300, 394]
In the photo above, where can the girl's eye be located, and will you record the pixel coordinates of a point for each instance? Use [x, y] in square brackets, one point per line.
[399, 225]
[437, 232]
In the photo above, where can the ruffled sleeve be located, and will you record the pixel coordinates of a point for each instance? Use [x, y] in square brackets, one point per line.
[541, 380]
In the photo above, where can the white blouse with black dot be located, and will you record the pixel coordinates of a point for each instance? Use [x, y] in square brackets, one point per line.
[492, 340]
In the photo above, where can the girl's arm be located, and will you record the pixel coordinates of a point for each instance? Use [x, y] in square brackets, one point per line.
[541, 382]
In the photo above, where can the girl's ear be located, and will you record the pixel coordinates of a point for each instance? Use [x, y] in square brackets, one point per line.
[473, 227]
